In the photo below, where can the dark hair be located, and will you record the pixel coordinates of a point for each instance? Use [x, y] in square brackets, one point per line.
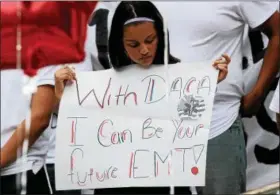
[131, 9]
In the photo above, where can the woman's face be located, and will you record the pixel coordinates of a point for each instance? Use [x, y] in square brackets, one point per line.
[140, 42]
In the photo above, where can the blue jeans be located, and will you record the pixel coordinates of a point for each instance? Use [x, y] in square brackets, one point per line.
[226, 162]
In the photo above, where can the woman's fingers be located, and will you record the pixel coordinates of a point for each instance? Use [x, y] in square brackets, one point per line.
[71, 70]
[223, 71]
[73, 74]
[221, 64]
[227, 58]
[63, 77]
[65, 74]
[222, 67]
[67, 78]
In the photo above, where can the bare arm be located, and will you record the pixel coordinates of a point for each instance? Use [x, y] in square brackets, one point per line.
[41, 110]
[271, 63]
[270, 68]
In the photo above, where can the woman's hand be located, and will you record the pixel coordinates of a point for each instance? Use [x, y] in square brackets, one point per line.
[221, 64]
[62, 76]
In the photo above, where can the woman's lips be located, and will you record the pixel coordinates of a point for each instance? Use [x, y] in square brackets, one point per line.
[146, 58]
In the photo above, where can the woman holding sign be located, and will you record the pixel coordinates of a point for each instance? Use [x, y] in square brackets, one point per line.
[137, 37]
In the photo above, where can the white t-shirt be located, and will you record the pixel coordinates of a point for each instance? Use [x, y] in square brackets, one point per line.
[14, 108]
[47, 78]
[201, 31]
[275, 105]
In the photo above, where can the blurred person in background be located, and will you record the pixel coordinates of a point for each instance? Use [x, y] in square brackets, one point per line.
[33, 36]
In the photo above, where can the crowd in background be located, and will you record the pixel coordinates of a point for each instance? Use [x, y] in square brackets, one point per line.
[48, 41]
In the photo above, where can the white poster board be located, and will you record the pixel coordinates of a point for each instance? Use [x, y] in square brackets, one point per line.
[121, 129]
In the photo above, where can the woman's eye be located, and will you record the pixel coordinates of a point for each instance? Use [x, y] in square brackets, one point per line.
[149, 41]
[133, 45]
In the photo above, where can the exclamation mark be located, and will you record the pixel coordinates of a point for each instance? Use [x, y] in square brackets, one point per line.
[197, 151]
[194, 170]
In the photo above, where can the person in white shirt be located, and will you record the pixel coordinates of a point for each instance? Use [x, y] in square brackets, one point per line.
[15, 106]
[200, 30]
[47, 79]
[275, 105]
[41, 138]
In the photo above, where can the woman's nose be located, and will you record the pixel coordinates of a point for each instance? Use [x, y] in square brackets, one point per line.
[144, 50]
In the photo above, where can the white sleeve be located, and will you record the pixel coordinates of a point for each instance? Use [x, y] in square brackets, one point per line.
[255, 13]
[46, 75]
[274, 105]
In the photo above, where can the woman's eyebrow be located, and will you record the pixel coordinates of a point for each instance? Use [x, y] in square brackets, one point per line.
[151, 35]
[130, 40]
